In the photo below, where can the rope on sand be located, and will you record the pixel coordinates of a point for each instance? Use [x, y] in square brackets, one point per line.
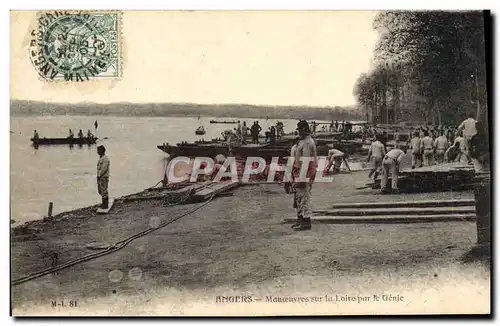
[113, 248]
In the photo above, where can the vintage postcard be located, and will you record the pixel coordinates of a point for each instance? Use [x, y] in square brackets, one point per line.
[249, 163]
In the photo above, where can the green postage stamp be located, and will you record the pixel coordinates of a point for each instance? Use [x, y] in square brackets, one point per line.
[77, 45]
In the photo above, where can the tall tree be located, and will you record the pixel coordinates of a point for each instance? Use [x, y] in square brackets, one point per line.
[439, 57]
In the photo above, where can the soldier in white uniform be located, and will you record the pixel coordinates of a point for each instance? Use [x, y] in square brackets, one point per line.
[376, 153]
[416, 154]
[441, 145]
[335, 159]
[462, 157]
[468, 128]
[305, 148]
[391, 163]
[427, 149]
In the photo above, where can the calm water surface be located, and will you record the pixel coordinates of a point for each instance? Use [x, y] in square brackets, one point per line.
[67, 176]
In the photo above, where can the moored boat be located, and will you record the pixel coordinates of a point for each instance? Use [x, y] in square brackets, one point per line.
[211, 149]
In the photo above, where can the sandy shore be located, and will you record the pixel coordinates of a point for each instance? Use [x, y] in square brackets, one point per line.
[239, 246]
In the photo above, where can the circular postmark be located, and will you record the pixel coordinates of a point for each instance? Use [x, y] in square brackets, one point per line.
[74, 46]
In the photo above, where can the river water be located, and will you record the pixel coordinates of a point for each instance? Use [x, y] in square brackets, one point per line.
[67, 176]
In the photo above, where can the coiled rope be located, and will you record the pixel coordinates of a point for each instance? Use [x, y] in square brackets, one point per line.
[115, 247]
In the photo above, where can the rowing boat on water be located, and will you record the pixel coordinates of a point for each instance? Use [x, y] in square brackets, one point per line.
[64, 141]
[231, 122]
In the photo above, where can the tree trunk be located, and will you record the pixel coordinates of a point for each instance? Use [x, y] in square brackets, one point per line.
[384, 105]
[439, 115]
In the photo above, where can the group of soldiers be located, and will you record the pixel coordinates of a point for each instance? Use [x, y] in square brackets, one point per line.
[80, 134]
[335, 126]
[242, 131]
[428, 146]
[443, 144]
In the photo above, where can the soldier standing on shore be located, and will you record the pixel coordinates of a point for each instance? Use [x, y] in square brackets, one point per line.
[255, 130]
[427, 149]
[103, 176]
[306, 154]
[244, 133]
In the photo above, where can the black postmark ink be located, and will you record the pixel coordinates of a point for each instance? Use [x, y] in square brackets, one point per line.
[76, 46]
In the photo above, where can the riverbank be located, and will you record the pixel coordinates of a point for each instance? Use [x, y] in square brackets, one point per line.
[238, 245]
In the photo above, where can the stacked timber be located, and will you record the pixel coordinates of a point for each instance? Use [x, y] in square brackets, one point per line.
[174, 191]
[397, 212]
[185, 192]
[214, 189]
[440, 177]
[446, 176]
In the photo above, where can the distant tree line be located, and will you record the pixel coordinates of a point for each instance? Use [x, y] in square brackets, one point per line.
[21, 107]
[430, 67]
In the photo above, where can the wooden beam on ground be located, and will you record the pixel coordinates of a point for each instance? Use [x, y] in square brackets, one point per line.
[193, 187]
[423, 203]
[397, 211]
[389, 219]
[155, 195]
[214, 189]
[454, 167]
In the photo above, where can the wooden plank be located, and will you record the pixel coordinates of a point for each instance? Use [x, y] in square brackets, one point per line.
[389, 219]
[157, 195]
[397, 211]
[454, 167]
[154, 195]
[423, 203]
[191, 187]
[214, 189]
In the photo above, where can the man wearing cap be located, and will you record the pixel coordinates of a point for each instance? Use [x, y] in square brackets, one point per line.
[306, 154]
[103, 176]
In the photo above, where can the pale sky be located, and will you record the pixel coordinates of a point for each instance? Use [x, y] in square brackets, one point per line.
[254, 57]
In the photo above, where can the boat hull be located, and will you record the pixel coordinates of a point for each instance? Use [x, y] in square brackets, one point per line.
[64, 141]
[227, 122]
[266, 152]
